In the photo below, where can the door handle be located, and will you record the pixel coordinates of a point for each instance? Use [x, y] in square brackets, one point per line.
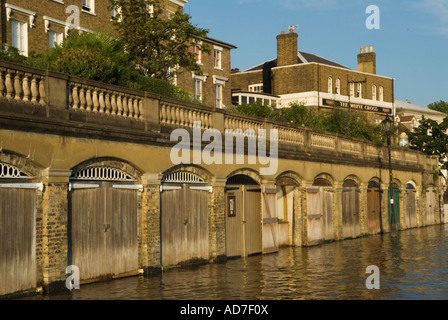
[106, 227]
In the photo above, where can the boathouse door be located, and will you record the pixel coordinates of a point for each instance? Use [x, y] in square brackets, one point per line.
[373, 208]
[350, 210]
[396, 206]
[430, 206]
[410, 212]
[243, 219]
[103, 224]
[17, 231]
[184, 219]
[270, 220]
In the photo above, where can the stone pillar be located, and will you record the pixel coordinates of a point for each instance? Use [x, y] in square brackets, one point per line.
[55, 228]
[149, 225]
[217, 237]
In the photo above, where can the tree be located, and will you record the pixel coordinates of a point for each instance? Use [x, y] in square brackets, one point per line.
[158, 44]
[431, 138]
[441, 106]
[103, 58]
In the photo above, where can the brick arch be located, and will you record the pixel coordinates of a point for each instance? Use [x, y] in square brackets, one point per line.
[22, 163]
[197, 170]
[325, 176]
[247, 172]
[114, 163]
[291, 175]
[353, 178]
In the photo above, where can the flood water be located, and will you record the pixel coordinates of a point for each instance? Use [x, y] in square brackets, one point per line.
[413, 264]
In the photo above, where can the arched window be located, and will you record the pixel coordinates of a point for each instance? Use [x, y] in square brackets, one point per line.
[374, 92]
[338, 86]
[381, 94]
[330, 85]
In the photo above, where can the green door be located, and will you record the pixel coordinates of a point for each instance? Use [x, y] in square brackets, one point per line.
[396, 204]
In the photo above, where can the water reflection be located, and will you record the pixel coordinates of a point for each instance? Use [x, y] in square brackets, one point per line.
[413, 265]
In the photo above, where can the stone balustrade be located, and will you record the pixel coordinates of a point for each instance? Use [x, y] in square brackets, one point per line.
[22, 84]
[55, 91]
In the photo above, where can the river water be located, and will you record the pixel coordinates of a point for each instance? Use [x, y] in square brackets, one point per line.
[413, 264]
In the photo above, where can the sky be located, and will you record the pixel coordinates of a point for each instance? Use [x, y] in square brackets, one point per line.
[411, 44]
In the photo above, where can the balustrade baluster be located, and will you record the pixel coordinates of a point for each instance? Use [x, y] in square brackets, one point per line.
[102, 103]
[17, 87]
[95, 102]
[82, 99]
[26, 88]
[9, 86]
[119, 105]
[107, 104]
[34, 90]
[89, 99]
[42, 95]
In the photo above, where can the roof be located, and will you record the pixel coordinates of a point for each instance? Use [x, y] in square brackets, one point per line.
[302, 57]
[219, 43]
[406, 118]
[409, 107]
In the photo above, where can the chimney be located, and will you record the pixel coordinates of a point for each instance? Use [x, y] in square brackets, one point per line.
[287, 48]
[367, 60]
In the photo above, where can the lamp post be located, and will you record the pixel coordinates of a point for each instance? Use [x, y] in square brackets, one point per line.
[388, 126]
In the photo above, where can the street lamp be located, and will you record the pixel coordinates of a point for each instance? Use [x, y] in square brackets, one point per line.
[388, 126]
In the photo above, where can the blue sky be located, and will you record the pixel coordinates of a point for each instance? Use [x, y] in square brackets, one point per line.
[411, 44]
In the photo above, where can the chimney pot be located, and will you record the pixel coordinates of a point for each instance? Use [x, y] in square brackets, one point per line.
[371, 48]
[283, 32]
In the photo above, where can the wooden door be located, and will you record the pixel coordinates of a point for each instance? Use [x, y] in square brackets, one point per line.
[243, 220]
[430, 207]
[396, 207]
[234, 221]
[314, 216]
[350, 213]
[252, 220]
[410, 212]
[184, 224]
[270, 220]
[103, 229]
[17, 239]
[327, 216]
[373, 210]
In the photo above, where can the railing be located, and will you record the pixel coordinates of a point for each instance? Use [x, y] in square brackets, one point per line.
[26, 85]
[22, 84]
[88, 98]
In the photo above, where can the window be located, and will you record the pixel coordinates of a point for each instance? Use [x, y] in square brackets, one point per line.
[197, 53]
[256, 87]
[88, 5]
[352, 89]
[218, 95]
[19, 31]
[55, 38]
[381, 94]
[218, 58]
[338, 86]
[169, 14]
[359, 90]
[330, 85]
[198, 89]
[374, 92]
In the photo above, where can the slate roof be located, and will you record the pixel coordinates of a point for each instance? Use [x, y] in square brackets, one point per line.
[302, 57]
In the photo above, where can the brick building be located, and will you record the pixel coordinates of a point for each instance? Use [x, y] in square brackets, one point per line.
[211, 87]
[37, 25]
[297, 76]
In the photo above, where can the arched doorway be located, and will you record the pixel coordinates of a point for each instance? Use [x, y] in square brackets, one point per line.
[394, 204]
[103, 221]
[243, 216]
[320, 211]
[430, 205]
[410, 213]
[286, 189]
[350, 209]
[374, 207]
[184, 218]
[17, 230]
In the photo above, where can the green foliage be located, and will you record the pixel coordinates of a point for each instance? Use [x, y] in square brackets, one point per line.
[431, 138]
[441, 106]
[345, 122]
[98, 57]
[12, 54]
[157, 44]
